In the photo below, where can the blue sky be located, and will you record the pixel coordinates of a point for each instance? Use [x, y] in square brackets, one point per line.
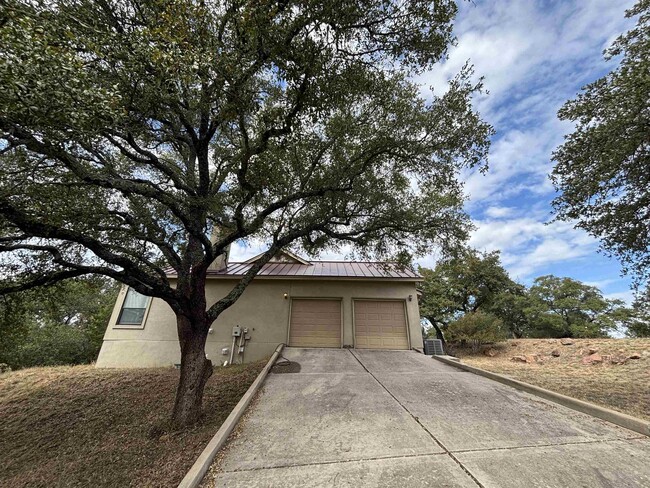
[534, 56]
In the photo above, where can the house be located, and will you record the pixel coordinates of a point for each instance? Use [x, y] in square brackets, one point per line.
[293, 301]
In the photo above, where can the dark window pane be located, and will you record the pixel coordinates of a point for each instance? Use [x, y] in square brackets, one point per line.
[131, 316]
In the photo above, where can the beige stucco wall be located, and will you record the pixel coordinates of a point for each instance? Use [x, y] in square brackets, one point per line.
[262, 309]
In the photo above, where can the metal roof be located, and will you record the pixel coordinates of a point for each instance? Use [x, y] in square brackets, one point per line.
[321, 269]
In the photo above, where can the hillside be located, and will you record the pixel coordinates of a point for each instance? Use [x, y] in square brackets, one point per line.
[81, 426]
[614, 373]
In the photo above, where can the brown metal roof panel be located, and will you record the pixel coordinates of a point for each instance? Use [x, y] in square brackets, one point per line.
[293, 270]
[273, 269]
[285, 269]
[363, 269]
[411, 274]
[321, 269]
[393, 272]
[356, 269]
[241, 269]
[374, 269]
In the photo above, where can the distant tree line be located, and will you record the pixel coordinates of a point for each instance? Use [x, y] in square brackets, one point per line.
[471, 298]
[59, 324]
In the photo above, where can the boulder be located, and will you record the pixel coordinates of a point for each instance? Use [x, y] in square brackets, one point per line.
[567, 342]
[592, 359]
[518, 359]
[592, 350]
[555, 353]
[490, 353]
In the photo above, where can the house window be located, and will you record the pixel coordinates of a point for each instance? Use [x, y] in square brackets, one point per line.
[133, 308]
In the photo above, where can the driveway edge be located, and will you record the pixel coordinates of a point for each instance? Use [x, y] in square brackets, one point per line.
[200, 467]
[620, 419]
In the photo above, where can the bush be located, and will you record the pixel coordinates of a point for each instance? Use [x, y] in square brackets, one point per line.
[477, 328]
[55, 345]
[60, 324]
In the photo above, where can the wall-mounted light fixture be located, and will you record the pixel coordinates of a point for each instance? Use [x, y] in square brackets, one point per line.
[410, 298]
[286, 295]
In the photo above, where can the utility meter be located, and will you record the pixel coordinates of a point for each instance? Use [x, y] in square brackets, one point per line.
[236, 331]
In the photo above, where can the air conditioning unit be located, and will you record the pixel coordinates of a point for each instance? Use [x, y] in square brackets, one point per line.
[433, 347]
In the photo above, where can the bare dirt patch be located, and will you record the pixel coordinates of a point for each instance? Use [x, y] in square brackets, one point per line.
[600, 371]
[81, 426]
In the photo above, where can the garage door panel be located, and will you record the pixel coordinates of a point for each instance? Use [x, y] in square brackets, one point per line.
[380, 325]
[315, 323]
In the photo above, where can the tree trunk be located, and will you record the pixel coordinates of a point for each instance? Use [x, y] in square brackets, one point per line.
[196, 369]
[439, 334]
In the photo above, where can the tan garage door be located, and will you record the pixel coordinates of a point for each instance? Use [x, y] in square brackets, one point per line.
[315, 323]
[380, 325]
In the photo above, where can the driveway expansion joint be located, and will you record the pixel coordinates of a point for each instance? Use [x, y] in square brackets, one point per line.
[554, 444]
[417, 420]
[340, 461]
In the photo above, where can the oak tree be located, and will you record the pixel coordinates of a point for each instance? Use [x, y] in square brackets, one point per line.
[602, 170]
[466, 282]
[564, 307]
[131, 129]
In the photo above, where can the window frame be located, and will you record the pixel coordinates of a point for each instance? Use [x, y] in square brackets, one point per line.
[123, 294]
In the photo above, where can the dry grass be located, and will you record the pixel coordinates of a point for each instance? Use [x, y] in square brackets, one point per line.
[623, 387]
[81, 426]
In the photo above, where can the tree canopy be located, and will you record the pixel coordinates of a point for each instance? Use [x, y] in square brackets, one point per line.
[60, 324]
[564, 307]
[466, 282]
[132, 129]
[552, 306]
[638, 324]
[603, 168]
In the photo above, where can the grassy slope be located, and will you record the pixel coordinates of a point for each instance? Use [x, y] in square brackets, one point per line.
[81, 426]
[622, 387]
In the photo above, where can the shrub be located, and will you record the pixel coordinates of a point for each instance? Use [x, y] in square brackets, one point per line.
[477, 328]
[54, 345]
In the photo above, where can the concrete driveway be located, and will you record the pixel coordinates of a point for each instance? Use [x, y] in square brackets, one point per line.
[356, 418]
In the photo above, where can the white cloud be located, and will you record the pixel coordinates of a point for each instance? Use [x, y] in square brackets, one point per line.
[600, 284]
[242, 251]
[499, 212]
[516, 154]
[627, 296]
[534, 56]
[529, 245]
